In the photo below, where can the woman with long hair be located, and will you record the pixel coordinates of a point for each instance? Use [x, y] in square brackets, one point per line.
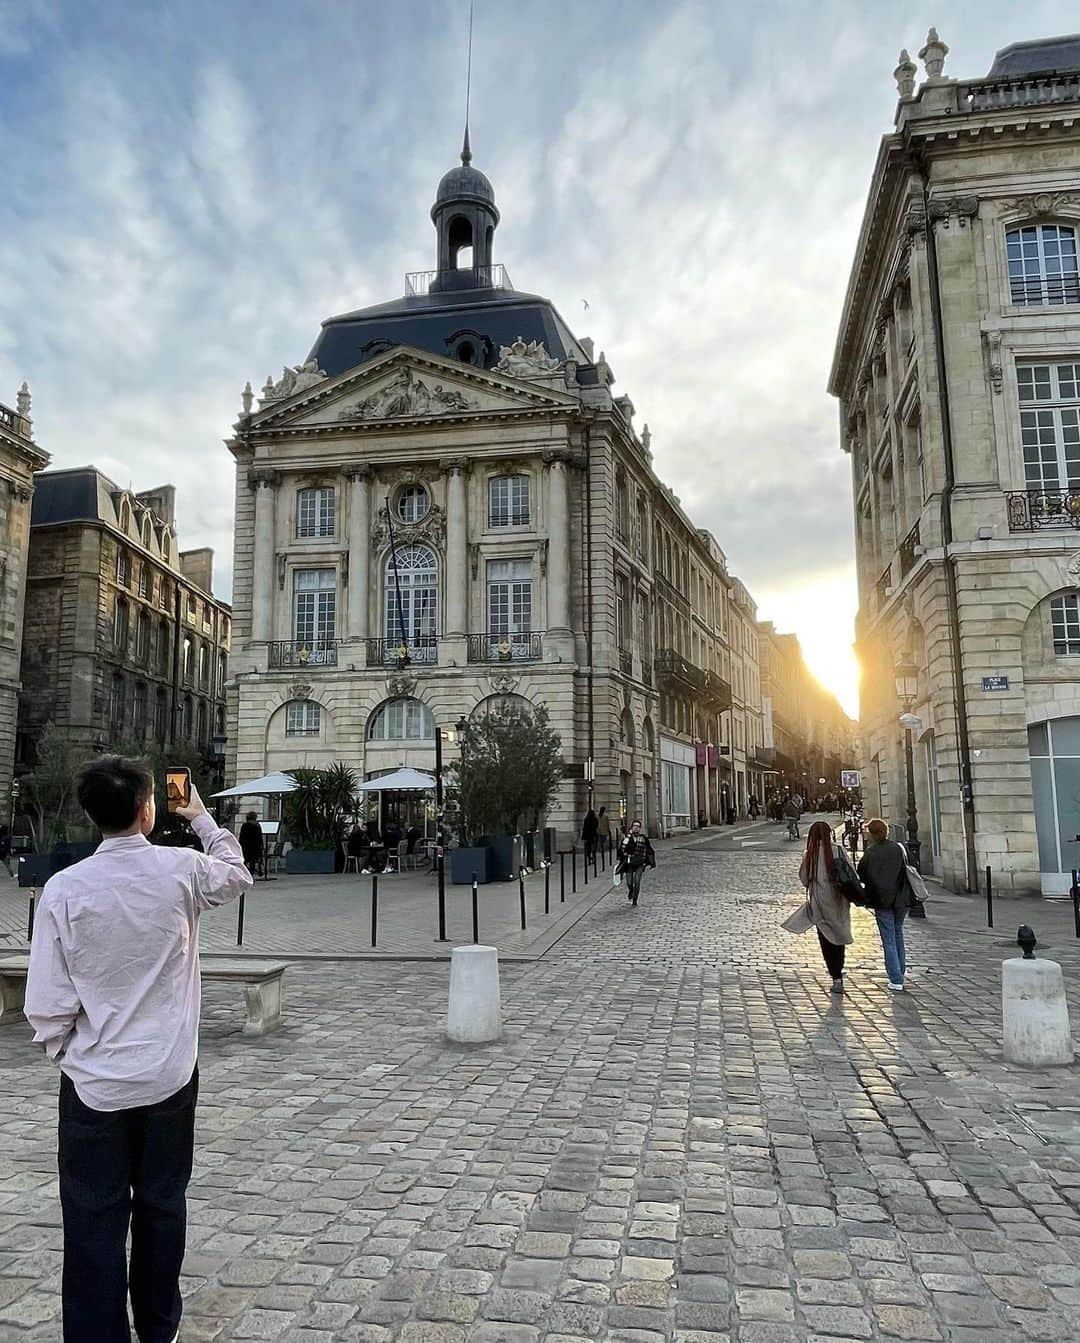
[825, 869]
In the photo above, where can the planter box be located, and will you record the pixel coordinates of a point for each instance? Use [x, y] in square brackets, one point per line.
[309, 862]
[464, 862]
[507, 857]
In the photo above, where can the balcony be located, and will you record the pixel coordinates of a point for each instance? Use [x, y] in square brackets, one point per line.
[674, 672]
[882, 587]
[908, 547]
[528, 647]
[1038, 91]
[306, 653]
[419, 283]
[8, 418]
[393, 653]
[1030, 510]
[626, 662]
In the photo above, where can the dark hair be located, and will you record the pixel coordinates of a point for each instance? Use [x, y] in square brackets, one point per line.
[877, 829]
[820, 836]
[252, 816]
[602, 810]
[111, 790]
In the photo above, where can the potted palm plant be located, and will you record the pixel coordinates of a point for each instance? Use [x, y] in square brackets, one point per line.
[317, 815]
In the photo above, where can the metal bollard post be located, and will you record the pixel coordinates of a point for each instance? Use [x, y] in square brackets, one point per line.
[547, 888]
[603, 856]
[240, 922]
[521, 893]
[573, 869]
[30, 915]
[1075, 893]
[585, 865]
[989, 897]
[562, 878]
[374, 908]
[442, 896]
[475, 912]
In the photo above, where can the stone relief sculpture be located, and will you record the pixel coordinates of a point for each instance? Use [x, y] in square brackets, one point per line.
[431, 528]
[293, 381]
[525, 361]
[401, 687]
[406, 396]
[502, 682]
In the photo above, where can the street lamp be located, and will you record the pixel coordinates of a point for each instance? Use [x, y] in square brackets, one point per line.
[907, 688]
[450, 735]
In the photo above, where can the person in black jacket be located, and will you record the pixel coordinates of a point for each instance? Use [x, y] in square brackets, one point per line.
[635, 854]
[883, 871]
[251, 841]
[589, 828]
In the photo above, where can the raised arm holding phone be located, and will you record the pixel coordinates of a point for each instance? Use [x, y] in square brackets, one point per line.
[113, 994]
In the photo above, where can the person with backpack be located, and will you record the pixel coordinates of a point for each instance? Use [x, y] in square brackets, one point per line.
[830, 882]
[635, 855]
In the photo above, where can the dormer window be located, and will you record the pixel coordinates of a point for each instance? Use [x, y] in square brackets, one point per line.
[1042, 265]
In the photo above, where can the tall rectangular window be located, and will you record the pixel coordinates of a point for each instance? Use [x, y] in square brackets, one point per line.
[120, 624]
[1049, 397]
[508, 501]
[315, 512]
[314, 605]
[1042, 264]
[303, 718]
[139, 712]
[1065, 625]
[623, 610]
[123, 567]
[509, 596]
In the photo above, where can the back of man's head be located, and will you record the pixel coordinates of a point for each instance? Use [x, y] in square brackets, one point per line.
[111, 790]
[877, 830]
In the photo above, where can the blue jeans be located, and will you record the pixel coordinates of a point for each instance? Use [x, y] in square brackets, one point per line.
[890, 924]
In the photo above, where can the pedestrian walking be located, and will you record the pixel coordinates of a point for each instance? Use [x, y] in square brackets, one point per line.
[603, 830]
[589, 827]
[883, 871]
[635, 855]
[5, 849]
[113, 995]
[828, 876]
[252, 841]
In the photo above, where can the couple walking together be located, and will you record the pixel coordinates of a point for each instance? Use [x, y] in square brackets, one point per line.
[882, 882]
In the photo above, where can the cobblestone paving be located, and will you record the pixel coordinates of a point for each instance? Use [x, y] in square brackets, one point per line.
[682, 1138]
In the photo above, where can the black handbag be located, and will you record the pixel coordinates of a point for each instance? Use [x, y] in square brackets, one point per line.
[849, 885]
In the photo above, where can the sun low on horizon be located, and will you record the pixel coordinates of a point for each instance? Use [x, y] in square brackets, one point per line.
[822, 613]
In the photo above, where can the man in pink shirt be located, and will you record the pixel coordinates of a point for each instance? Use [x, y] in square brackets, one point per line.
[113, 995]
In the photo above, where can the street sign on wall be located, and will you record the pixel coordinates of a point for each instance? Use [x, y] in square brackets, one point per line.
[850, 778]
[995, 682]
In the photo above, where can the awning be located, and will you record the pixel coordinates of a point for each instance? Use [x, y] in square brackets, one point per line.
[278, 782]
[400, 781]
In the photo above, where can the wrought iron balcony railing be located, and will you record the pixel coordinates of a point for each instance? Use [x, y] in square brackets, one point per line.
[908, 546]
[303, 653]
[527, 647]
[626, 662]
[421, 282]
[1028, 510]
[1044, 290]
[393, 653]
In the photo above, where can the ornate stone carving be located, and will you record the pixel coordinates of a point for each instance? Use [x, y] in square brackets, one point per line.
[914, 220]
[405, 397]
[298, 690]
[361, 471]
[262, 476]
[474, 558]
[993, 350]
[502, 682]
[293, 381]
[401, 687]
[962, 207]
[1043, 202]
[552, 455]
[525, 361]
[904, 74]
[933, 55]
[22, 401]
[431, 528]
[1073, 569]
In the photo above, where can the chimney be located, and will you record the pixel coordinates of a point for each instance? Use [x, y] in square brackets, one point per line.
[197, 566]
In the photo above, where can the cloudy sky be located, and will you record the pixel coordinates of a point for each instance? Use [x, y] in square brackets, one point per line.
[189, 188]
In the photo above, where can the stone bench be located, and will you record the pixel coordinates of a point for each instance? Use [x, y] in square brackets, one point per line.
[261, 981]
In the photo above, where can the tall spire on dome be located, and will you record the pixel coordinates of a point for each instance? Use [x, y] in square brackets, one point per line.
[466, 148]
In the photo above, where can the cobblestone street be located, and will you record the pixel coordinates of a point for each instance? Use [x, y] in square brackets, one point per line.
[682, 1138]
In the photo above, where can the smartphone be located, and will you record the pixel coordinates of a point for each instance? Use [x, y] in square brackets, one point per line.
[177, 786]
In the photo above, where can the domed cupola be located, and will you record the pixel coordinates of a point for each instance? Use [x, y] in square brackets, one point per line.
[465, 216]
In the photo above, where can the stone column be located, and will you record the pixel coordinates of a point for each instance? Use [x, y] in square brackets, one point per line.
[264, 483]
[558, 529]
[457, 547]
[359, 626]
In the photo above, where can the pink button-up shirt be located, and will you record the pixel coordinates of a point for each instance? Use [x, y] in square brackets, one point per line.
[113, 991]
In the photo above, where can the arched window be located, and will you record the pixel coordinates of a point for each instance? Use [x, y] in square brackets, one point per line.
[303, 718]
[222, 673]
[1065, 625]
[117, 703]
[411, 596]
[125, 516]
[188, 660]
[185, 727]
[120, 624]
[147, 531]
[508, 501]
[203, 721]
[138, 717]
[402, 720]
[219, 722]
[204, 667]
[142, 638]
[460, 237]
[1042, 264]
[166, 548]
[163, 648]
[626, 729]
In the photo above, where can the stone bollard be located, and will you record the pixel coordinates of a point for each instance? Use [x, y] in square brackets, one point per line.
[1034, 1013]
[475, 1013]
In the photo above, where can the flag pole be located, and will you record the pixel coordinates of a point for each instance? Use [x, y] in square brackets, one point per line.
[397, 582]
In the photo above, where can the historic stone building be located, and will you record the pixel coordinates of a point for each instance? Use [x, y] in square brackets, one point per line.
[125, 642]
[808, 736]
[466, 430]
[20, 458]
[958, 371]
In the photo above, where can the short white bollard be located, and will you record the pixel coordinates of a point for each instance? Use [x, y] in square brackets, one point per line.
[475, 1014]
[1034, 1013]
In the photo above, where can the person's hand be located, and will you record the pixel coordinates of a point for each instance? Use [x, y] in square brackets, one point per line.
[194, 808]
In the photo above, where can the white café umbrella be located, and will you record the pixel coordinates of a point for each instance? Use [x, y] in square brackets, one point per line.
[277, 782]
[400, 781]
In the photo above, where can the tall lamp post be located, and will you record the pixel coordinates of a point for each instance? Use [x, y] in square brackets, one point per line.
[907, 689]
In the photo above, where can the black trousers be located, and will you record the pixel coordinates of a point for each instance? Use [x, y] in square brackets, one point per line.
[833, 954]
[118, 1167]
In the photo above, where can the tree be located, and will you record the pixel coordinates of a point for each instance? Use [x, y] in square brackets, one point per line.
[319, 810]
[509, 770]
[48, 791]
